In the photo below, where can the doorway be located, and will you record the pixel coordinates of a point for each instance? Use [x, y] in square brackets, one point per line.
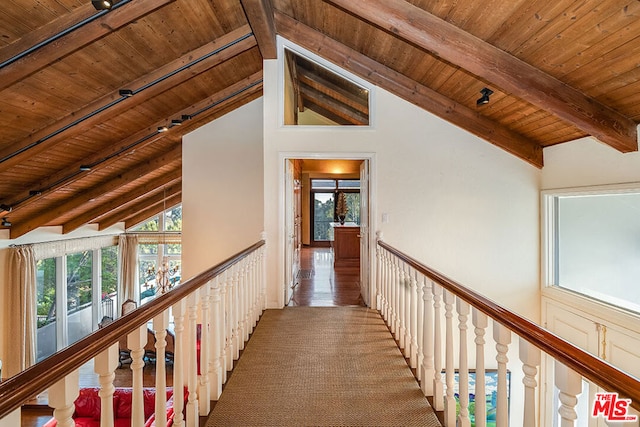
[312, 188]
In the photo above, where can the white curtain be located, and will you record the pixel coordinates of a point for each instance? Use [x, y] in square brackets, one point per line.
[128, 261]
[22, 310]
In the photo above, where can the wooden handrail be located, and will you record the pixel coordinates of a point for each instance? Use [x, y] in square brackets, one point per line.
[27, 384]
[596, 370]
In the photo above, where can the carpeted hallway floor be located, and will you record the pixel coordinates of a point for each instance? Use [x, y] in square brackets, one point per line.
[322, 366]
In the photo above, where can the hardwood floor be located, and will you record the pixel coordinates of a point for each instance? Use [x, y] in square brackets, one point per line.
[318, 284]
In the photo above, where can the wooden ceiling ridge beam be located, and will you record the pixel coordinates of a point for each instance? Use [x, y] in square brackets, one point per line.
[260, 16]
[335, 106]
[62, 208]
[416, 26]
[69, 43]
[409, 90]
[120, 201]
[332, 90]
[146, 87]
[137, 141]
[153, 210]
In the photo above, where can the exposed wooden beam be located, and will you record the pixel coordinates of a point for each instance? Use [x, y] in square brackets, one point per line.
[332, 90]
[77, 200]
[228, 46]
[75, 40]
[145, 137]
[114, 204]
[260, 16]
[352, 116]
[153, 210]
[409, 90]
[140, 205]
[414, 25]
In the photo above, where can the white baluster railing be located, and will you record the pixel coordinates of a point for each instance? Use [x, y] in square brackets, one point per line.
[402, 281]
[210, 298]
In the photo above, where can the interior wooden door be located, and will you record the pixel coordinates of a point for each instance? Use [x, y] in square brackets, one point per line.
[365, 284]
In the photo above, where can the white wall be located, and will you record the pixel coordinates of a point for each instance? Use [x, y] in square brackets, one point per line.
[587, 162]
[455, 202]
[222, 197]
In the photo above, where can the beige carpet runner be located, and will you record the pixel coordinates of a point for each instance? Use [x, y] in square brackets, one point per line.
[322, 366]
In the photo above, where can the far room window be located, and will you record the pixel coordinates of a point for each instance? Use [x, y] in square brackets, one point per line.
[159, 245]
[324, 193]
[593, 244]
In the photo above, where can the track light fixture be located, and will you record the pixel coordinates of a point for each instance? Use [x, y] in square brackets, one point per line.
[35, 193]
[102, 4]
[6, 208]
[6, 222]
[176, 122]
[162, 129]
[484, 99]
[85, 168]
[126, 93]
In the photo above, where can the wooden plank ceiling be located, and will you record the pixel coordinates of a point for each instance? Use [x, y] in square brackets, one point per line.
[94, 103]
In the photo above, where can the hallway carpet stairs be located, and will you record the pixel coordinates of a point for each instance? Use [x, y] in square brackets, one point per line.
[322, 366]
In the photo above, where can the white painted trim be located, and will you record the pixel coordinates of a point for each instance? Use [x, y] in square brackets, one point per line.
[283, 156]
[281, 44]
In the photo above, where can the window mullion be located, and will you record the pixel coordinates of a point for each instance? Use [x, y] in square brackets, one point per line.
[61, 302]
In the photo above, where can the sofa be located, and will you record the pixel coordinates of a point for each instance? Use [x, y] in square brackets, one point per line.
[87, 413]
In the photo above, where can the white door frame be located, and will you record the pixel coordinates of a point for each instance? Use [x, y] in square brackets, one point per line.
[283, 157]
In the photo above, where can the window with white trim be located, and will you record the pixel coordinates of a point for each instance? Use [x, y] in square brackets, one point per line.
[592, 243]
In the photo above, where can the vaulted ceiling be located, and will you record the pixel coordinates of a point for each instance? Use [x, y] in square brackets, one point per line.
[94, 104]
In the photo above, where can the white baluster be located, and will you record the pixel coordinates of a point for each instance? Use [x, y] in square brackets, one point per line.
[569, 384]
[450, 400]
[428, 340]
[530, 358]
[136, 341]
[379, 277]
[192, 375]
[263, 275]
[217, 334]
[228, 322]
[502, 337]
[243, 334]
[236, 338]
[178, 310]
[463, 369]
[419, 280]
[480, 322]
[396, 299]
[438, 395]
[160, 324]
[413, 320]
[61, 396]
[206, 362]
[105, 364]
[402, 289]
[385, 286]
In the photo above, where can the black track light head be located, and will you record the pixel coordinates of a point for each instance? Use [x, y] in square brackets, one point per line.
[6, 222]
[126, 93]
[102, 4]
[5, 208]
[484, 99]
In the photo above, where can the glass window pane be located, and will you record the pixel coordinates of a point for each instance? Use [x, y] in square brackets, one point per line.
[148, 248]
[173, 219]
[351, 184]
[151, 225]
[109, 276]
[323, 184]
[175, 271]
[79, 295]
[597, 253]
[353, 206]
[323, 211]
[173, 249]
[46, 337]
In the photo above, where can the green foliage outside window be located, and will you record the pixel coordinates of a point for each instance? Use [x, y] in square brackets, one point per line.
[46, 291]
